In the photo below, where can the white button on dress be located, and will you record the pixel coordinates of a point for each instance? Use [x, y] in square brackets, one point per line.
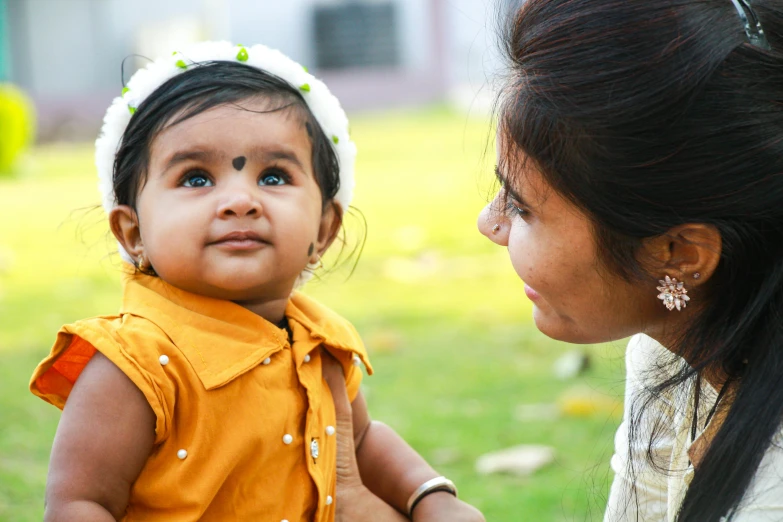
[329, 500]
[330, 430]
[314, 449]
[182, 454]
[287, 439]
[356, 360]
[267, 360]
[307, 358]
[163, 359]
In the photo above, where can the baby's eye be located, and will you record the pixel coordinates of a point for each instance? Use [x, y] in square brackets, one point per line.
[273, 178]
[196, 180]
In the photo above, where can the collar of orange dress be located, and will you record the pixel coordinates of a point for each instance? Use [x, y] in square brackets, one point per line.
[198, 324]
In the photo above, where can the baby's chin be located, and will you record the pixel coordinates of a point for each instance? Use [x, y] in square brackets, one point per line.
[237, 287]
[240, 292]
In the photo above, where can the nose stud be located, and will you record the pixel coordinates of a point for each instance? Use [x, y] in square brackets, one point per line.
[496, 228]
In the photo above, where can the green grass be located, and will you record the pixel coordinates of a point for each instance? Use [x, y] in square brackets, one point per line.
[443, 314]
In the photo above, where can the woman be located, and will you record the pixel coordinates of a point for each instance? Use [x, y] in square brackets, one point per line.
[640, 152]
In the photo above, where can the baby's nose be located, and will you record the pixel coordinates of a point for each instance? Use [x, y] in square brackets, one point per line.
[240, 204]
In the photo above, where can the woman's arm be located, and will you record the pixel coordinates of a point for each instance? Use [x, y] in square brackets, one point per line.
[104, 438]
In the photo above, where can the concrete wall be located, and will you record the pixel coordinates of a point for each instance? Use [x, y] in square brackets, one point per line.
[68, 53]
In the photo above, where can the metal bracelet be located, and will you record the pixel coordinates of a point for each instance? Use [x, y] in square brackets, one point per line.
[431, 486]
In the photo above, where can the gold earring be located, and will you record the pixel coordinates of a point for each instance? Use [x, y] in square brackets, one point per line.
[140, 262]
[673, 294]
[496, 228]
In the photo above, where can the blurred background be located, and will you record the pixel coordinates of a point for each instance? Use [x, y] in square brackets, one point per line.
[521, 423]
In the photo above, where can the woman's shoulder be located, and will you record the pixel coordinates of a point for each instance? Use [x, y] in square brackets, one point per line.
[644, 356]
[647, 364]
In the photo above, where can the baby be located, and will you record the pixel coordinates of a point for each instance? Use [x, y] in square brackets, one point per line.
[225, 172]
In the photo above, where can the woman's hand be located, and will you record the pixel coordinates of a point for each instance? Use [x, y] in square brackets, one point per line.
[348, 479]
[354, 502]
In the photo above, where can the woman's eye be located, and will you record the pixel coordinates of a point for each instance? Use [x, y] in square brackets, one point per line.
[196, 181]
[273, 178]
[513, 208]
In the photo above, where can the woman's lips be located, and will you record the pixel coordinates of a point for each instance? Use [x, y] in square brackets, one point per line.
[531, 294]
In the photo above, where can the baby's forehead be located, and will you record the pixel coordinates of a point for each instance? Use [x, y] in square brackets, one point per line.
[227, 131]
[282, 104]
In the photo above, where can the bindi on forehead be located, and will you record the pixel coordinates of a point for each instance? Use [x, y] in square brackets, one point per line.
[239, 162]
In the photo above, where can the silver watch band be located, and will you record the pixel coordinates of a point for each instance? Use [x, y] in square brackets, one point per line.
[431, 486]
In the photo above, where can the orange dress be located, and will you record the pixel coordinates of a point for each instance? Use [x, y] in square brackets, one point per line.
[244, 420]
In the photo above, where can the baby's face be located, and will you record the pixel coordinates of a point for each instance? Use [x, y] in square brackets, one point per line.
[231, 208]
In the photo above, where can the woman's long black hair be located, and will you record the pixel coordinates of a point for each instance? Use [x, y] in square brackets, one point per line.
[650, 114]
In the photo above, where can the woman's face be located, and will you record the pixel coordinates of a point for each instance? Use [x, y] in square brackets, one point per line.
[553, 250]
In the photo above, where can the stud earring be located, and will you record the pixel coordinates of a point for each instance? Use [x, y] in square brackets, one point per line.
[312, 267]
[140, 262]
[697, 275]
[673, 293]
[496, 228]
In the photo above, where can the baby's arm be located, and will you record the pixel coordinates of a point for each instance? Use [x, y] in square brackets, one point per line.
[104, 438]
[377, 471]
[392, 470]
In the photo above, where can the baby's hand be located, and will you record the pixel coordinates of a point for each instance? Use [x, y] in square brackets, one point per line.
[444, 507]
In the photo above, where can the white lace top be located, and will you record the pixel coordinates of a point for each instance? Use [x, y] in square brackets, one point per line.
[660, 493]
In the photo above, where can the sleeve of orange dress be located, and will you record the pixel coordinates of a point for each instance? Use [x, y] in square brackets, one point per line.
[133, 344]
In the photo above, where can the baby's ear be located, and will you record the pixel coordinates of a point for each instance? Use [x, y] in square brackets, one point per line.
[124, 225]
[331, 221]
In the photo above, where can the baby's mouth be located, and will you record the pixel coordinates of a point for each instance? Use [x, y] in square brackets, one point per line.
[240, 239]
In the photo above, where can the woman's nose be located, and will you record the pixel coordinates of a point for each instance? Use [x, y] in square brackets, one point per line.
[493, 225]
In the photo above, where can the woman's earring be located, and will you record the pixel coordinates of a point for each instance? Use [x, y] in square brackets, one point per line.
[673, 293]
[496, 228]
[140, 263]
[697, 275]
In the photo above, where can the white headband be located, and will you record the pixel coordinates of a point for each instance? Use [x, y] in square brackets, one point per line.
[324, 106]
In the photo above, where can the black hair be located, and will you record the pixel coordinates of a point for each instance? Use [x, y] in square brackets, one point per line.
[209, 84]
[647, 115]
[203, 86]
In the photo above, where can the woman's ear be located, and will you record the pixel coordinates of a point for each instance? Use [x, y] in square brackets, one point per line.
[684, 251]
[124, 223]
[331, 220]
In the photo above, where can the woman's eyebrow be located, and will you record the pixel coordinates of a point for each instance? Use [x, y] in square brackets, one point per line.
[510, 191]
